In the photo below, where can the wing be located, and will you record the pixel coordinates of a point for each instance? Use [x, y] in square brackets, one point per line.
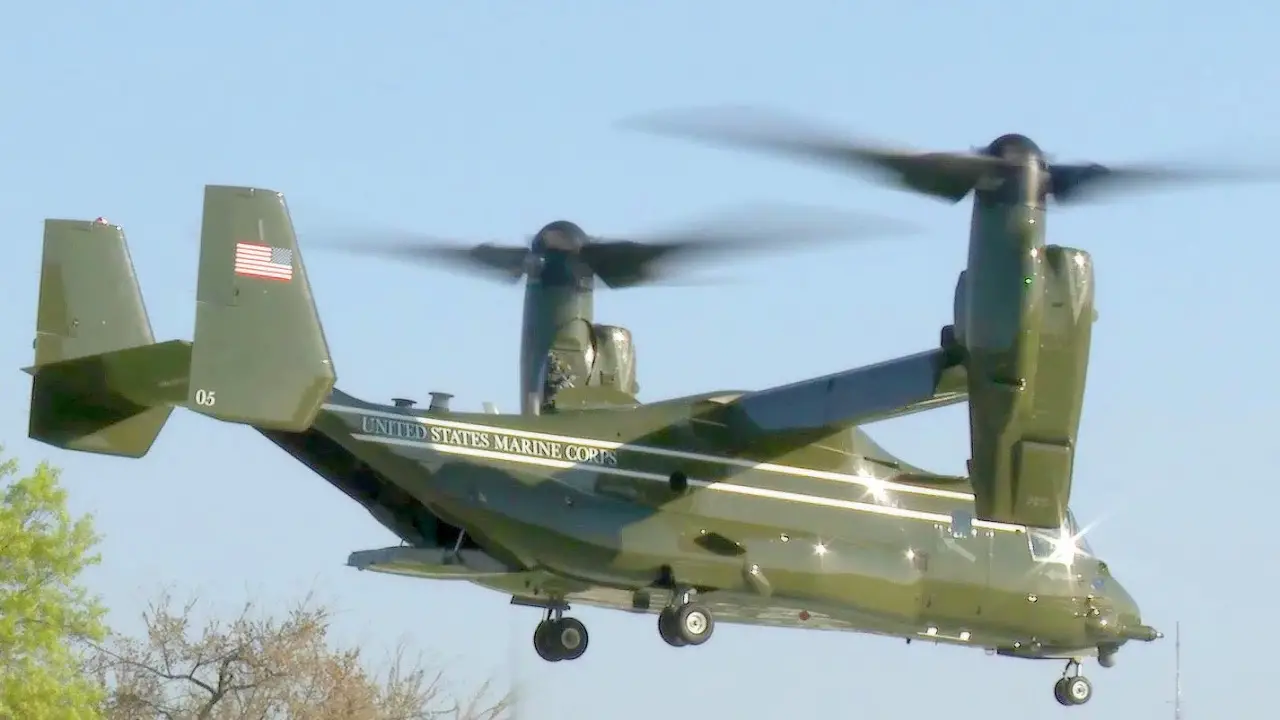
[889, 389]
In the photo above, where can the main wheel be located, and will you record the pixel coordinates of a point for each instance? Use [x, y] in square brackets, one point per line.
[693, 623]
[544, 641]
[570, 638]
[1060, 692]
[563, 639]
[1077, 690]
[667, 628]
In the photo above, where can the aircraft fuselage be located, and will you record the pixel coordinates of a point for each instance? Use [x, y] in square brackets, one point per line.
[581, 507]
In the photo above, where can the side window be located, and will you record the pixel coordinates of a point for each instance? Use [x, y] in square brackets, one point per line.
[961, 524]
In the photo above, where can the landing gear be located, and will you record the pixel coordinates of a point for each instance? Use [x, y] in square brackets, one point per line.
[559, 638]
[1072, 689]
[685, 623]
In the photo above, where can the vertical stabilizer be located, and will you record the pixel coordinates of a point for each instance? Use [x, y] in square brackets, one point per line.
[100, 383]
[259, 354]
[90, 302]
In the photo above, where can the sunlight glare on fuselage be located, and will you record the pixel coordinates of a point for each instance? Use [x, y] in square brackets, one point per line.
[876, 487]
[1066, 544]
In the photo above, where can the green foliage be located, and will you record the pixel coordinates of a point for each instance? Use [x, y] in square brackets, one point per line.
[46, 616]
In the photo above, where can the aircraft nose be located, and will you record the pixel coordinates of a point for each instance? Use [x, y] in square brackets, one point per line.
[1124, 606]
[1118, 614]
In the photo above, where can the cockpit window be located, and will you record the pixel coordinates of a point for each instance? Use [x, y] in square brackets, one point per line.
[1041, 546]
[1059, 546]
[1082, 540]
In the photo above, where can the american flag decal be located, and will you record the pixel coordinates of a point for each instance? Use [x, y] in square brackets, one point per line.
[263, 261]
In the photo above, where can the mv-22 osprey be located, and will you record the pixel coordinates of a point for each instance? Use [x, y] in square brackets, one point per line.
[766, 507]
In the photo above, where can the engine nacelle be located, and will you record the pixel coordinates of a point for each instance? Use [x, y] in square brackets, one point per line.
[959, 316]
[614, 362]
[1026, 362]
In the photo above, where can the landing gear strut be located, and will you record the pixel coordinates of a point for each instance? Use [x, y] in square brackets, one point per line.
[1073, 688]
[685, 622]
[559, 638]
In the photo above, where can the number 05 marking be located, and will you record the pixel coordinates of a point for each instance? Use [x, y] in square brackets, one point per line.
[205, 398]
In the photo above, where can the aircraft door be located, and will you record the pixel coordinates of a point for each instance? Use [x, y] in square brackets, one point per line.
[958, 576]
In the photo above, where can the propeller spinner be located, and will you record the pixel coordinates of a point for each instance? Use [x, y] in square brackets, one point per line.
[946, 175]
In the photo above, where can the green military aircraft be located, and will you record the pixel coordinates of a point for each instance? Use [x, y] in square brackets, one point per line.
[768, 507]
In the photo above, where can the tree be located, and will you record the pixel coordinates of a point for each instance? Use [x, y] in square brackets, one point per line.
[265, 668]
[45, 614]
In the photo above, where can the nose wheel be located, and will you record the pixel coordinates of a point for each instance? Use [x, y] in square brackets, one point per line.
[559, 638]
[687, 623]
[1072, 689]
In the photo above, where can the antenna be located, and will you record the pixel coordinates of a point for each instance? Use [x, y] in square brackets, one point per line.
[1177, 671]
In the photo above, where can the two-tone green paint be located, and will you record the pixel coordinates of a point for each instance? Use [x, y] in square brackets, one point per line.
[823, 532]
[768, 507]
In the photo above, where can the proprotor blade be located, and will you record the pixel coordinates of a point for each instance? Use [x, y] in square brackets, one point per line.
[502, 262]
[655, 258]
[627, 263]
[946, 175]
[1073, 183]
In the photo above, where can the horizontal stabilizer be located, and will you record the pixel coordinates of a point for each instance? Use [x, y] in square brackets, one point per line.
[869, 394]
[260, 355]
[431, 563]
[112, 403]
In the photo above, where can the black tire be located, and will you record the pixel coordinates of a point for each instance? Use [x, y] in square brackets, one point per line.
[1060, 692]
[543, 641]
[667, 628]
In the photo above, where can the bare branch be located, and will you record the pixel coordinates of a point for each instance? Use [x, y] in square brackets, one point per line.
[260, 667]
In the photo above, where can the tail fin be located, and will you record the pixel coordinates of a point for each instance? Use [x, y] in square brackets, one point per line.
[259, 354]
[100, 383]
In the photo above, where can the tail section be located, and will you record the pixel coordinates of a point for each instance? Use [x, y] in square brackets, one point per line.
[259, 354]
[101, 382]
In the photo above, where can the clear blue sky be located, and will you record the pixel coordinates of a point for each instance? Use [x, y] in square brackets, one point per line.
[488, 121]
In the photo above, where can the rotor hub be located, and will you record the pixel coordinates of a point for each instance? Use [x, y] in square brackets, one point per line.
[559, 236]
[1016, 148]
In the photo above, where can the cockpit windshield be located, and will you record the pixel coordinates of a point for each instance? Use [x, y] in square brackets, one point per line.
[1082, 541]
[1063, 545]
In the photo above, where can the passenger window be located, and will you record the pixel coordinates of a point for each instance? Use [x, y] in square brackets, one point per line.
[961, 524]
